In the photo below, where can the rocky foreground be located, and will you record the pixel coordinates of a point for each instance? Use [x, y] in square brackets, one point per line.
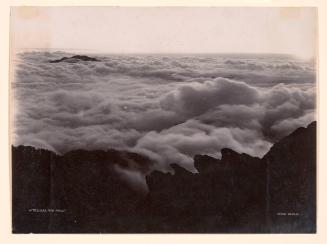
[82, 192]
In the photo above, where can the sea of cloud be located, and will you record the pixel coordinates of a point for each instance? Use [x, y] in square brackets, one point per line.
[167, 107]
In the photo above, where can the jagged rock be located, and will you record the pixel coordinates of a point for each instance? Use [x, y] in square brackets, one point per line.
[292, 182]
[225, 196]
[205, 163]
[236, 194]
[240, 193]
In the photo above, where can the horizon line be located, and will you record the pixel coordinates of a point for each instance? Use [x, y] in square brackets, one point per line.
[128, 53]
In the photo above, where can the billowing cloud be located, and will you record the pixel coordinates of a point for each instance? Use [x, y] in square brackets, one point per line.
[197, 98]
[180, 143]
[168, 108]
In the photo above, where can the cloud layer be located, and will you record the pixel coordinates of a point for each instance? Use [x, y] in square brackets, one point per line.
[168, 108]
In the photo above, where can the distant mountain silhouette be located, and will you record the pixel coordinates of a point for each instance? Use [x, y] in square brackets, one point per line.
[74, 59]
[82, 192]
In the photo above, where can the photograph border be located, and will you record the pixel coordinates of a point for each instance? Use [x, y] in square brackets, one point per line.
[5, 186]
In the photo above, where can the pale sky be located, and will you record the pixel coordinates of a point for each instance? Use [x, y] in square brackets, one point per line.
[166, 29]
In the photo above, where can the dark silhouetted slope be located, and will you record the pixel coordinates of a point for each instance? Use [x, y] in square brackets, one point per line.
[84, 184]
[236, 194]
[292, 182]
[227, 195]
[31, 188]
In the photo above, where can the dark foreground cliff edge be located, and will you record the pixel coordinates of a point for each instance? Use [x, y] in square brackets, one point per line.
[81, 192]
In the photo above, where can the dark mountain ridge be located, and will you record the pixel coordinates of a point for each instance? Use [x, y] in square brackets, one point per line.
[82, 192]
[74, 59]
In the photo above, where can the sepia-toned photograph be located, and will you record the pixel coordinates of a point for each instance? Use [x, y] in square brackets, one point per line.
[163, 119]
